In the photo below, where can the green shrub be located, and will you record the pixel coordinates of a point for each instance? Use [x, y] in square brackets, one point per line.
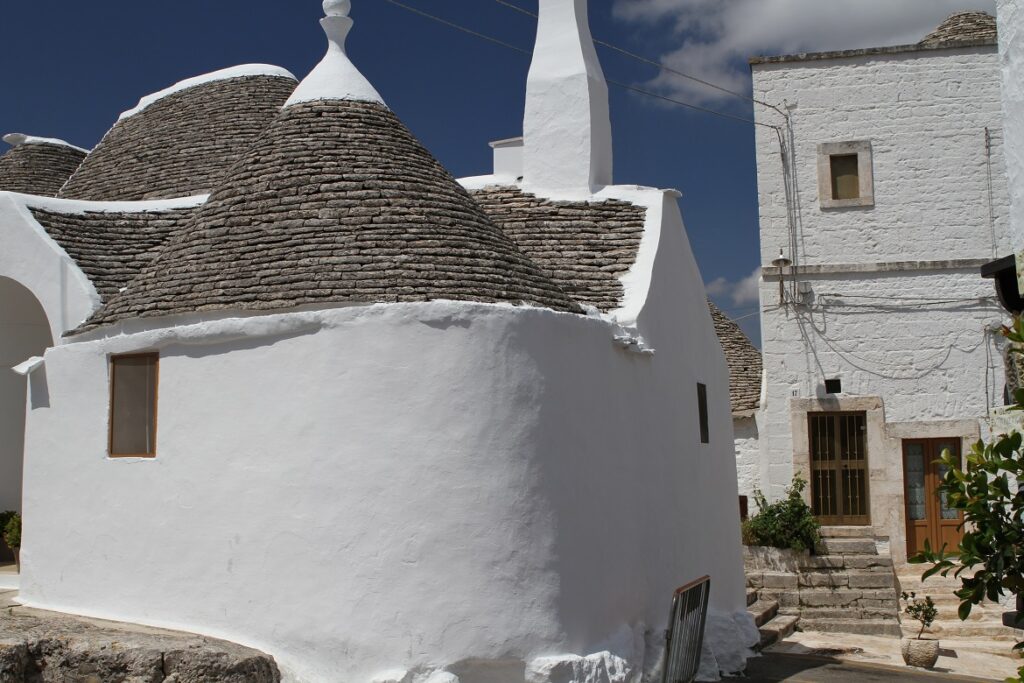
[920, 610]
[786, 523]
[12, 531]
[5, 517]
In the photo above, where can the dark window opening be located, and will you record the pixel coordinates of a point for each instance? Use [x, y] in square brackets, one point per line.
[845, 176]
[133, 381]
[702, 409]
[833, 386]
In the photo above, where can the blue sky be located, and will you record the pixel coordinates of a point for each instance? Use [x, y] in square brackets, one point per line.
[71, 67]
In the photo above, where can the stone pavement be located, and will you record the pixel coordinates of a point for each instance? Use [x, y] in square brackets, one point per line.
[776, 667]
[47, 647]
[982, 659]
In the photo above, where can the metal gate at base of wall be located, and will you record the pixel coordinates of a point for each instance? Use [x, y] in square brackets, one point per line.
[839, 468]
[684, 638]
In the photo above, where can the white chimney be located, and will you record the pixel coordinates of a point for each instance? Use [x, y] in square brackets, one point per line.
[567, 129]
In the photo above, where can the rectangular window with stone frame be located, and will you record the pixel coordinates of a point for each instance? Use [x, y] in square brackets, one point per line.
[845, 175]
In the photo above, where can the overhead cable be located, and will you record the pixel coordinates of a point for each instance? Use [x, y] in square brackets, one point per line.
[624, 86]
[656, 63]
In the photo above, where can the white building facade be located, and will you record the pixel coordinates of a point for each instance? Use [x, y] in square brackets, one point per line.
[313, 395]
[880, 198]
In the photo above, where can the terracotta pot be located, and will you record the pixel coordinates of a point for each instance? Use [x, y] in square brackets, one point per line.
[922, 653]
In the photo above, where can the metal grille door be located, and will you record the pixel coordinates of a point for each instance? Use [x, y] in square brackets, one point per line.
[685, 635]
[839, 468]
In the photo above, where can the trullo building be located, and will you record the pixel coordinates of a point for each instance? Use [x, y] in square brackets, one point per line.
[291, 384]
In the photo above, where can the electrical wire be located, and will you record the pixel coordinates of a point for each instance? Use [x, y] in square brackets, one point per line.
[655, 63]
[457, 27]
[624, 86]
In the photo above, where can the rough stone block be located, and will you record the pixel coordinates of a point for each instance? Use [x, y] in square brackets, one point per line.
[780, 580]
[872, 580]
[824, 580]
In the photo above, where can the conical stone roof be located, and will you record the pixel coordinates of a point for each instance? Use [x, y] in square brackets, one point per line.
[964, 27]
[37, 165]
[336, 203]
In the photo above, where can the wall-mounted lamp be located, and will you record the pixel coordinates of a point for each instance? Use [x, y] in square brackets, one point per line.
[780, 263]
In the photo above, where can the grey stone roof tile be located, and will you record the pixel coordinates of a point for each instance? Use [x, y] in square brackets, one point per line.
[111, 248]
[585, 247]
[964, 27]
[182, 144]
[38, 168]
[337, 202]
[744, 361]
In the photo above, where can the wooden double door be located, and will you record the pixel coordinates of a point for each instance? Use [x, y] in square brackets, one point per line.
[929, 517]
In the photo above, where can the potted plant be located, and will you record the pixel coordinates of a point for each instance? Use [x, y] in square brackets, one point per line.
[917, 651]
[12, 537]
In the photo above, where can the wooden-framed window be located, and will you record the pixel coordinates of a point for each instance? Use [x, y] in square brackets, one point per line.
[702, 413]
[133, 399]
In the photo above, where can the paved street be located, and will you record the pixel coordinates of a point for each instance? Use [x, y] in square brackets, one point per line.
[789, 668]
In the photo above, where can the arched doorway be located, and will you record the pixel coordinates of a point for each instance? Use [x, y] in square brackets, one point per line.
[24, 332]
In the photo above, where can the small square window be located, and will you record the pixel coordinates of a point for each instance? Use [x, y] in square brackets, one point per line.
[702, 413]
[833, 386]
[845, 178]
[133, 394]
[845, 174]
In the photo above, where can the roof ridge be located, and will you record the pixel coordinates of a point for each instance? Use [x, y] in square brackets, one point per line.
[337, 202]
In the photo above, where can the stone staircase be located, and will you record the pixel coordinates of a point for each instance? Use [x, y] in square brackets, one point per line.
[847, 587]
[772, 626]
[984, 623]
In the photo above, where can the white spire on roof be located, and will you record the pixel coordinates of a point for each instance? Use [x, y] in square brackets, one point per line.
[335, 77]
[567, 129]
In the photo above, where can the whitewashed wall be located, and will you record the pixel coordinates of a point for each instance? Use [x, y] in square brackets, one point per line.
[24, 332]
[748, 456]
[1011, 51]
[398, 486]
[925, 115]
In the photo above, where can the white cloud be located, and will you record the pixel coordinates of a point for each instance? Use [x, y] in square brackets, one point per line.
[742, 292]
[717, 36]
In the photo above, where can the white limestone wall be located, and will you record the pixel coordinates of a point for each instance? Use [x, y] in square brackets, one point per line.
[925, 117]
[928, 362]
[31, 258]
[1011, 52]
[748, 456]
[410, 487]
[24, 332]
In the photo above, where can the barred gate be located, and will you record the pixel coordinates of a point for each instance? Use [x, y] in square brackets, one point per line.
[684, 638]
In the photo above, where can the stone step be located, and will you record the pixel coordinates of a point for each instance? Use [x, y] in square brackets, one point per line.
[847, 532]
[763, 611]
[866, 627]
[779, 628]
[844, 562]
[853, 578]
[850, 613]
[751, 596]
[868, 598]
[971, 630]
[847, 546]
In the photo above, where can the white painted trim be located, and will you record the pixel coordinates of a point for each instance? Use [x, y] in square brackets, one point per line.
[222, 75]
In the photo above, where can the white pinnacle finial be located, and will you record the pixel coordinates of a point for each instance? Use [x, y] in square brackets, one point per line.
[567, 132]
[337, 8]
[335, 77]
